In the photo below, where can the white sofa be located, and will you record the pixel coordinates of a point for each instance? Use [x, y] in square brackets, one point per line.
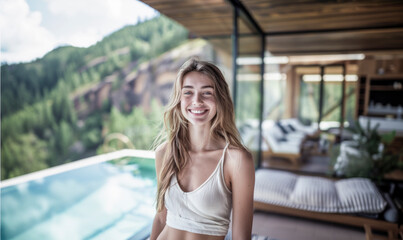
[317, 194]
[283, 138]
[355, 201]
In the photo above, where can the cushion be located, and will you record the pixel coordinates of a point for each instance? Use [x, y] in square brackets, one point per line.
[275, 132]
[281, 127]
[281, 139]
[354, 195]
[291, 127]
[359, 195]
[315, 194]
[311, 129]
[274, 186]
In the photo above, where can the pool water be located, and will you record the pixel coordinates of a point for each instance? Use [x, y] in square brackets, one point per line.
[107, 200]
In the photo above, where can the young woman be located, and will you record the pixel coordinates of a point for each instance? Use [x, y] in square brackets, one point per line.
[203, 170]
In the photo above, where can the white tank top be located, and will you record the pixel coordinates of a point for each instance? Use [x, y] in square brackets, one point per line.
[205, 210]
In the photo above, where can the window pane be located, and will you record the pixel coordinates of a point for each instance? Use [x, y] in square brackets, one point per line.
[332, 97]
[248, 93]
[309, 94]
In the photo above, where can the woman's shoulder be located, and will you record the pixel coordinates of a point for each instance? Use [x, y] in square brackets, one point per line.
[161, 148]
[239, 162]
[159, 152]
[239, 154]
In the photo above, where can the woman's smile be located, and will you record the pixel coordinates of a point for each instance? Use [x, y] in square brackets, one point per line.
[198, 112]
[198, 101]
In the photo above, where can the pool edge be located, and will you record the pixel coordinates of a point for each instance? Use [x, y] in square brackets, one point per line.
[77, 164]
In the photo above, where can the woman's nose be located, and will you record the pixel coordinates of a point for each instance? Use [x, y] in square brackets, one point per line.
[197, 99]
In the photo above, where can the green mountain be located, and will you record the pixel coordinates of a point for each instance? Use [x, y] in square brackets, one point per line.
[49, 115]
[27, 83]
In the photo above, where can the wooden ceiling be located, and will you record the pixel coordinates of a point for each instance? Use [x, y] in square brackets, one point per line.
[295, 27]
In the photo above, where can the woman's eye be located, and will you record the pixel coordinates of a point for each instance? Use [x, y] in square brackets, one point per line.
[187, 93]
[208, 93]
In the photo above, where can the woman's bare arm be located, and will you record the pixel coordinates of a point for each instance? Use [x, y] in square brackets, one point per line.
[158, 224]
[242, 174]
[160, 217]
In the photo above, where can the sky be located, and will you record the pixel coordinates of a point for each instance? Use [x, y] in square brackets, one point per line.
[31, 28]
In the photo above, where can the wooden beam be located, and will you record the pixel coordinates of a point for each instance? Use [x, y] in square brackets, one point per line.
[345, 219]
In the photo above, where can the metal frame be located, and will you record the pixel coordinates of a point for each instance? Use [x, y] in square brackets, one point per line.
[235, 48]
[343, 105]
[262, 69]
[322, 73]
[247, 17]
[240, 11]
[391, 27]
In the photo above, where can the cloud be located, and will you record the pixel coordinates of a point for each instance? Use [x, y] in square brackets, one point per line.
[28, 34]
[22, 36]
[86, 22]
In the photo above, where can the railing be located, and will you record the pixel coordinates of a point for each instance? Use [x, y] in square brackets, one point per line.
[77, 164]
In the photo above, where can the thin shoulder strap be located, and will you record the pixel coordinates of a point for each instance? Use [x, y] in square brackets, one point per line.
[223, 154]
[222, 170]
[226, 146]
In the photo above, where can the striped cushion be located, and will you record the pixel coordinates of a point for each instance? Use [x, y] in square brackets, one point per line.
[275, 186]
[359, 195]
[317, 194]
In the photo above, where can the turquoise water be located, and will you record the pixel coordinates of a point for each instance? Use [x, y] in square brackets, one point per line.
[109, 200]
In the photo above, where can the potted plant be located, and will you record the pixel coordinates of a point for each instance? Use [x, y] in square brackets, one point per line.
[365, 155]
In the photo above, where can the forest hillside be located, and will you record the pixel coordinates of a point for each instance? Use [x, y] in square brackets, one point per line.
[62, 107]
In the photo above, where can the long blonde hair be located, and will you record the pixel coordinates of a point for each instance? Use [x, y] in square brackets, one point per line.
[175, 133]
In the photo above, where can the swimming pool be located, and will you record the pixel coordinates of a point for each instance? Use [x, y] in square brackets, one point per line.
[111, 196]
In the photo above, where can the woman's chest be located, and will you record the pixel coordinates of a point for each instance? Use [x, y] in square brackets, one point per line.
[198, 170]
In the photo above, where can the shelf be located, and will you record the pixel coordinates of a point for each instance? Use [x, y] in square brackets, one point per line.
[383, 88]
[385, 76]
[377, 91]
[382, 111]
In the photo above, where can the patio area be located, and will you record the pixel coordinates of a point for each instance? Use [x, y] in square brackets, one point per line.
[324, 63]
[281, 227]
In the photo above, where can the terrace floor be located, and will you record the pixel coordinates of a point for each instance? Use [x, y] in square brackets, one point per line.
[281, 227]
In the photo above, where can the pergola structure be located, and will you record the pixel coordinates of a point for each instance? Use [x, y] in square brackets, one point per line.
[290, 27]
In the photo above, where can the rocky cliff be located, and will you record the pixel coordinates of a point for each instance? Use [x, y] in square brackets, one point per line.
[137, 85]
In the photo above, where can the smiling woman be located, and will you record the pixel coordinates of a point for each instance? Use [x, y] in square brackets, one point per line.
[203, 171]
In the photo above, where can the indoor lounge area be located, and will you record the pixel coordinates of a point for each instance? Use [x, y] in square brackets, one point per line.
[317, 88]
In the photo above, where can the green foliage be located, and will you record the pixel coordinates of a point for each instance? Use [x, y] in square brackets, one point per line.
[23, 155]
[39, 122]
[248, 101]
[63, 140]
[309, 97]
[141, 128]
[62, 107]
[370, 158]
[92, 138]
[360, 166]
[369, 138]
[26, 83]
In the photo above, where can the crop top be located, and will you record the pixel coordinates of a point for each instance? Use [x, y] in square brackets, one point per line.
[205, 210]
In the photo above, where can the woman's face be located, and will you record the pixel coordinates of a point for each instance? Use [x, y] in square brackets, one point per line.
[198, 100]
